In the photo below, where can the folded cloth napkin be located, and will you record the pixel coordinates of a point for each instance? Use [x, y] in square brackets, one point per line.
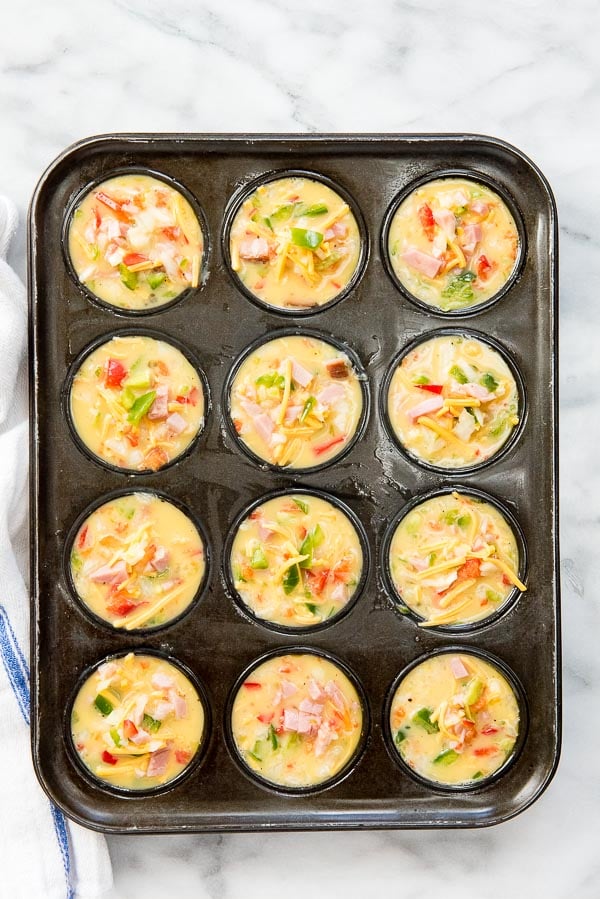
[44, 856]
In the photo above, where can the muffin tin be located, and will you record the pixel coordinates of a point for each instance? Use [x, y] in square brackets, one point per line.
[217, 481]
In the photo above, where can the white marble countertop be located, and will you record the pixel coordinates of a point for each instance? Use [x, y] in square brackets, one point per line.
[527, 71]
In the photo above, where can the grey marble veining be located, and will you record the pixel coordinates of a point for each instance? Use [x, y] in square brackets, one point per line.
[528, 72]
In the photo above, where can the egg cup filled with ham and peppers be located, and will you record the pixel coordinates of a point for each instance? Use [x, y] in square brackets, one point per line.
[295, 243]
[455, 719]
[138, 722]
[136, 402]
[137, 561]
[452, 244]
[454, 558]
[297, 400]
[296, 560]
[135, 242]
[453, 399]
[297, 720]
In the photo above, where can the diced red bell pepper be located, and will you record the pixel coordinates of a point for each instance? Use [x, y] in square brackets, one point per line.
[114, 373]
[485, 750]
[252, 685]
[82, 537]
[129, 728]
[427, 221]
[432, 388]
[489, 730]
[484, 268]
[190, 398]
[266, 718]
[182, 756]
[114, 205]
[97, 217]
[318, 580]
[319, 450]
[108, 758]
[121, 606]
[134, 258]
[470, 569]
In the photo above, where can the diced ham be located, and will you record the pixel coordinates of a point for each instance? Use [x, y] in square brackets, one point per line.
[158, 762]
[264, 532]
[160, 560]
[162, 710]
[179, 704]
[288, 688]
[160, 408]
[336, 230]
[471, 237]
[305, 723]
[314, 690]
[458, 668]
[418, 562]
[115, 257]
[176, 423]
[255, 249]
[440, 581]
[292, 413]
[311, 708]
[141, 737]
[447, 222]
[106, 574]
[429, 405]
[111, 227]
[478, 391]
[451, 198]
[422, 262]
[335, 695]
[290, 719]
[301, 375]
[331, 394]
[324, 737]
[162, 681]
[479, 207]
[339, 593]
[263, 423]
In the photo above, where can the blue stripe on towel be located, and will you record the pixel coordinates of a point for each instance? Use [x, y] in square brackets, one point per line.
[15, 664]
[17, 671]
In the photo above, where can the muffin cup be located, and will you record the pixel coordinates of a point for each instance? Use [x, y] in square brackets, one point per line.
[475, 309]
[513, 682]
[281, 628]
[94, 345]
[235, 204]
[170, 182]
[97, 504]
[350, 765]
[402, 609]
[514, 370]
[296, 332]
[193, 764]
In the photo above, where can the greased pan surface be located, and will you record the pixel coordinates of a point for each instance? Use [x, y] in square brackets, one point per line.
[217, 481]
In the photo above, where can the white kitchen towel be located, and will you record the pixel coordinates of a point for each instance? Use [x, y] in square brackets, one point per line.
[44, 856]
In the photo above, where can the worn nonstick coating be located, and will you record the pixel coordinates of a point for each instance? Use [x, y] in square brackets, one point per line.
[217, 481]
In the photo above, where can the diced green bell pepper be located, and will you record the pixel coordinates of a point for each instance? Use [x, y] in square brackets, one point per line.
[291, 579]
[141, 407]
[446, 757]
[103, 704]
[423, 719]
[258, 559]
[304, 237]
[128, 278]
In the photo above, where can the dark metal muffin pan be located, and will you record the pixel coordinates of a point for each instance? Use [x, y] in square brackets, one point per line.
[216, 480]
